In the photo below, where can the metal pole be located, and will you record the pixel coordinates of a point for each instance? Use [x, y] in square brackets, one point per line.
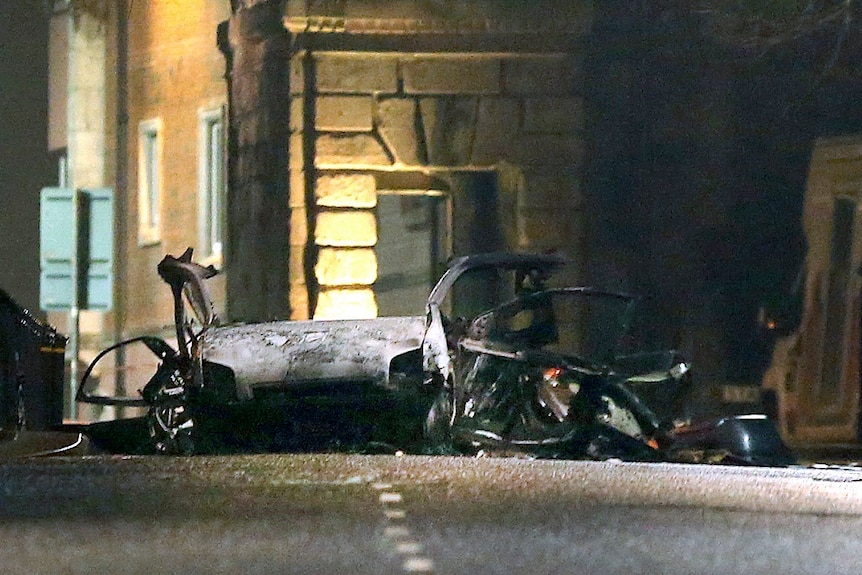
[63, 172]
[74, 314]
[74, 311]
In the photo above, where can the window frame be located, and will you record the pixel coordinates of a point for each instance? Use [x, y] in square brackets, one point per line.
[150, 166]
[211, 222]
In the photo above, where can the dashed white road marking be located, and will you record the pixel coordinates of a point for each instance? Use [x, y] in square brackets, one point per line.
[418, 565]
[390, 497]
[398, 534]
[393, 514]
[409, 547]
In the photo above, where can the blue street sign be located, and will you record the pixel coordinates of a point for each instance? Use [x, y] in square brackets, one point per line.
[94, 221]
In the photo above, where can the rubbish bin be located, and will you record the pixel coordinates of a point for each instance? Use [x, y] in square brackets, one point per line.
[32, 366]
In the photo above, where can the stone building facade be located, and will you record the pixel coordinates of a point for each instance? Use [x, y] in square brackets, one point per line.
[470, 115]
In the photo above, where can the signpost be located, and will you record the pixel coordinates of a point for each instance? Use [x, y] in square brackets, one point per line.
[76, 237]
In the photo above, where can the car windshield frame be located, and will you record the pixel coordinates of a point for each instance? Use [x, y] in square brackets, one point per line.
[501, 261]
[523, 322]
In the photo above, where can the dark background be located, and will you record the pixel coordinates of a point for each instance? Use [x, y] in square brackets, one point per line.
[25, 166]
[701, 125]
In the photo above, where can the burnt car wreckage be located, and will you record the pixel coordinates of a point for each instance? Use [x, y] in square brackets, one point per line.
[500, 363]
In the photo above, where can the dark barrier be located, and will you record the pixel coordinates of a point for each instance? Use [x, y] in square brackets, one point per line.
[31, 370]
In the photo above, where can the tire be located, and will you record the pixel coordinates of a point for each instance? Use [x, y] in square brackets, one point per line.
[171, 430]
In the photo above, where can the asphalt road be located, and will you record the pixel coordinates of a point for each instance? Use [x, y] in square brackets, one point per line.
[381, 514]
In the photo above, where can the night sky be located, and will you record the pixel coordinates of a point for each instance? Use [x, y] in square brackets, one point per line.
[24, 163]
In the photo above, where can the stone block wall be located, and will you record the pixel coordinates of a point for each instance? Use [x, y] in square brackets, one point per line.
[361, 114]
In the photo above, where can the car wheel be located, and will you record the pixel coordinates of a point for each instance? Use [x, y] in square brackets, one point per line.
[171, 429]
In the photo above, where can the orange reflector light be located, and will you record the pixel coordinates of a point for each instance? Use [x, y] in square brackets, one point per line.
[553, 372]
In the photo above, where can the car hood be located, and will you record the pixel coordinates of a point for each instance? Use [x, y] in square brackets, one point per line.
[291, 353]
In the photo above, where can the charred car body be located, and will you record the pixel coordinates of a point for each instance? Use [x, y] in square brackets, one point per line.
[503, 361]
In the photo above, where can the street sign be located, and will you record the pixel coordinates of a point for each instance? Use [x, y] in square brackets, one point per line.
[99, 264]
[89, 219]
[57, 222]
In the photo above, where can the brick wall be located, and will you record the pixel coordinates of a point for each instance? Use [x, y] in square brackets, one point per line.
[174, 69]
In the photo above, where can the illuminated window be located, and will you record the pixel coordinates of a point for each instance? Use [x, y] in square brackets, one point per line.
[149, 181]
[211, 185]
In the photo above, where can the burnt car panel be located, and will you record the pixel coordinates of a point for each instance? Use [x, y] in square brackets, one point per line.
[500, 363]
[543, 373]
[470, 286]
[281, 354]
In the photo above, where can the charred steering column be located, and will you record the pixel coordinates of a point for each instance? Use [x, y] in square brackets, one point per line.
[170, 420]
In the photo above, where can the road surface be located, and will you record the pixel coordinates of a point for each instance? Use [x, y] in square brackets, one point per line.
[384, 514]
